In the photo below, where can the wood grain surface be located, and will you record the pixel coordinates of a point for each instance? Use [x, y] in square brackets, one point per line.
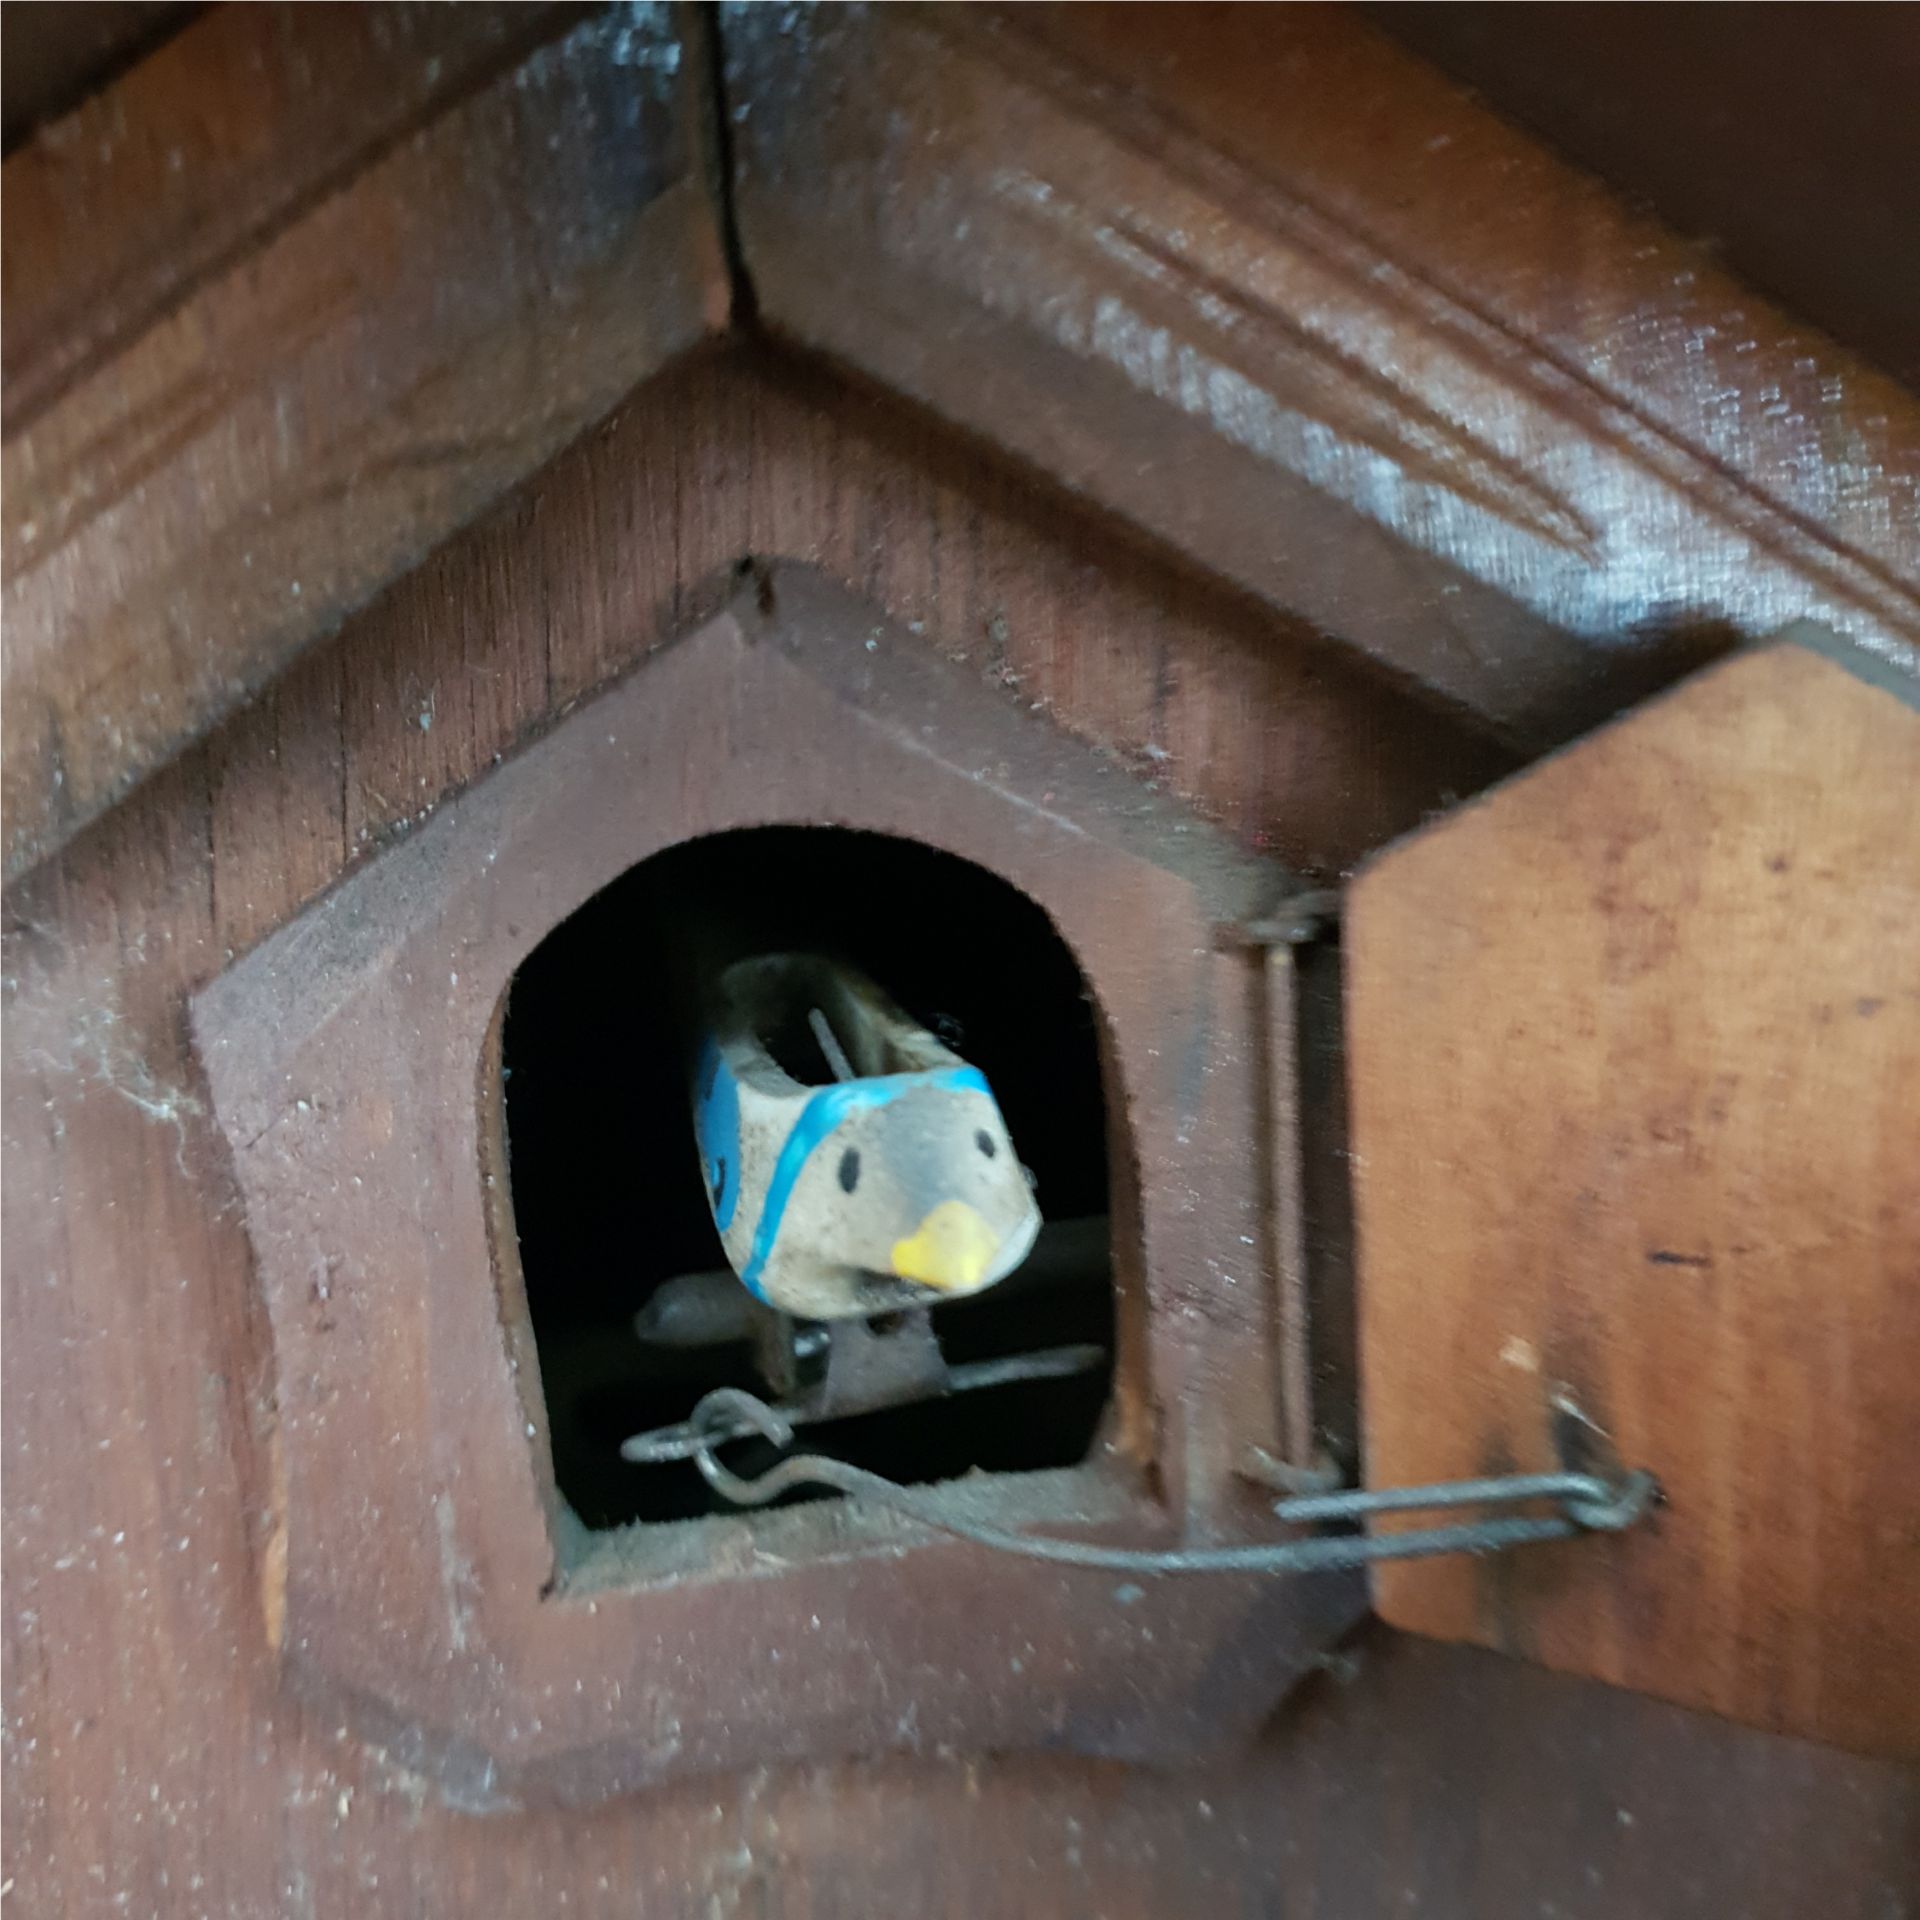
[278, 397]
[1792, 155]
[52, 57]
[342, 277]
[239, 123]
[1376, 357]
[153, 1764]
[1635, 1055]
[1643, 323]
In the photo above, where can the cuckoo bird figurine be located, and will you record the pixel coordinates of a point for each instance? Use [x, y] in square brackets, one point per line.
[855, 1165]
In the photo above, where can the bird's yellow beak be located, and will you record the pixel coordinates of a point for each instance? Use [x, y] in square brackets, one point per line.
[950, 1250]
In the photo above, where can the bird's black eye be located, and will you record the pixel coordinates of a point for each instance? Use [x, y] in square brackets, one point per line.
[849, 1170]
[719, 1179]
[984, 1141]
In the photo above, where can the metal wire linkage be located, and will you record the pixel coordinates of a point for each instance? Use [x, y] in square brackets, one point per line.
[691, 1437]
[1586, 1504]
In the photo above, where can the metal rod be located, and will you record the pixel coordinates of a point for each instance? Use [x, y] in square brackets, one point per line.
[1286, 1224]
[830, 1044]
[686, 1440]
[722, 1412]
[1501, 1490]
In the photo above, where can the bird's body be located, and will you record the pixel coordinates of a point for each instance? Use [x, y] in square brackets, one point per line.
[854, 1164]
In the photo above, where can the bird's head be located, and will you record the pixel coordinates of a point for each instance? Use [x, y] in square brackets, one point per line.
[911, 1194]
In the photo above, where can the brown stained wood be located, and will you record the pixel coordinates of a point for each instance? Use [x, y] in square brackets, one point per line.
[1635, 1045]
[1391, 152]
[1369, 354]
[1283, 739]
[122, 208]
[328, 405]
[1384, 417]
[1782, 138]
[151, 1752]
[52, 56]
[343, 1056]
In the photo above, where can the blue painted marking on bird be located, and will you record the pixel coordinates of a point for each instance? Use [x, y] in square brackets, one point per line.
[717, 1128]
[821, 1115]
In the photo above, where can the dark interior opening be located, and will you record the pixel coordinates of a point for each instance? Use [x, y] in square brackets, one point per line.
[608, 1200]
